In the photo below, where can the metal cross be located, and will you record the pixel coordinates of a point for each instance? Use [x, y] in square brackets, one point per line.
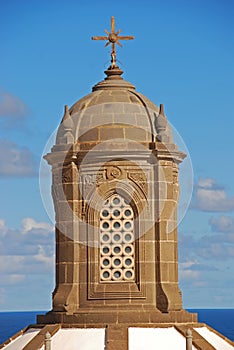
[113, 38]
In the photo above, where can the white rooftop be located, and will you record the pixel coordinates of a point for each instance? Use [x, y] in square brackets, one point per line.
[156, 338]
[214, 339]
[22, 340]
[78, 338]
[163, 338]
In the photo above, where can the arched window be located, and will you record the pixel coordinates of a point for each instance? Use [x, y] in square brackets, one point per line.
[117, 241]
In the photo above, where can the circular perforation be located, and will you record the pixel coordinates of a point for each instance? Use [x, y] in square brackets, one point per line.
[117, 249]
[128, 274]
[106, 249]
[106, 275]
[105, 214]
[105, 237]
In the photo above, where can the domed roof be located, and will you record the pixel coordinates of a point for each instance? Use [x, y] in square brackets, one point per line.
[114, 110]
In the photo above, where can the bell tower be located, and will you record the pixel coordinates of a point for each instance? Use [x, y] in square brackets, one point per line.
[115, 191]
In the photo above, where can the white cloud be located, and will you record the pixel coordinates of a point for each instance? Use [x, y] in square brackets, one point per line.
[23, 253]
[3, 228]
[11, 264]
[16, 160]
[211, 197]
[187, 264]
[189, 275]
[187, 272]
[27, 259]
[12, 279]
[195, 274]
[29, 224]
[12, 109]
[211, 247]
[42, 257]
[206, 183]
[216, 250]
[223, 224]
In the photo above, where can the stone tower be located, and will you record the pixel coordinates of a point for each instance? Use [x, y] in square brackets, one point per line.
[115, 191]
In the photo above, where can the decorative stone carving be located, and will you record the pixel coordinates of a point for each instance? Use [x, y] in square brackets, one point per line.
[163, 132]
[92, 178]
[176, 187]
[161, 122]
[88, 182]
[89, 179]
[140, 180]
[113, 172]
[137, 177]
[67, 175]
[100, 177]
[68, 126]
[56, 177]
[175, 175]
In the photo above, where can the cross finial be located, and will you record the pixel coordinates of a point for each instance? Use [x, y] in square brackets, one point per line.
[113, 38]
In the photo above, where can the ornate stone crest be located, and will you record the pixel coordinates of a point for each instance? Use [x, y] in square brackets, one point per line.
[113, 172]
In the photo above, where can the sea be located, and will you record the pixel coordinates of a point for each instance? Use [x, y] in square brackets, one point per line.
[221, 320]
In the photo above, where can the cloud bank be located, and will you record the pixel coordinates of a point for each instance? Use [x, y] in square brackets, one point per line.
[16, 161]
[25, 251]
[12, 109]
[27, 259]
[211, 197]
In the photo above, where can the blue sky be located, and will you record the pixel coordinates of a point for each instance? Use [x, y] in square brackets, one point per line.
[182, 56]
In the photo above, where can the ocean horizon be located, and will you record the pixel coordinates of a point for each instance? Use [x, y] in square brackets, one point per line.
[222, 320]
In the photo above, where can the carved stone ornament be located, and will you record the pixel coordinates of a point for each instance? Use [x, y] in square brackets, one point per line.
[89, 179]
[56, 177]
[113, 172]
[140, 180]
[137, 177]
[100, 177]
[88, 184]
[175, 176]
[67, 175]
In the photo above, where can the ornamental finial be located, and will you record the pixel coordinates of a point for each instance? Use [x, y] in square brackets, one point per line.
[113, 38]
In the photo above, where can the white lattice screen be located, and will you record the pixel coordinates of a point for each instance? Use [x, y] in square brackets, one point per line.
[117, 240]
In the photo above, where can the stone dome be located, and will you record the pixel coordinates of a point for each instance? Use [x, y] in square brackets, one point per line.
[114, 110]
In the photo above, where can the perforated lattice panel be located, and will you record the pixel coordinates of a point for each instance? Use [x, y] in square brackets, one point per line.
[117, 240]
